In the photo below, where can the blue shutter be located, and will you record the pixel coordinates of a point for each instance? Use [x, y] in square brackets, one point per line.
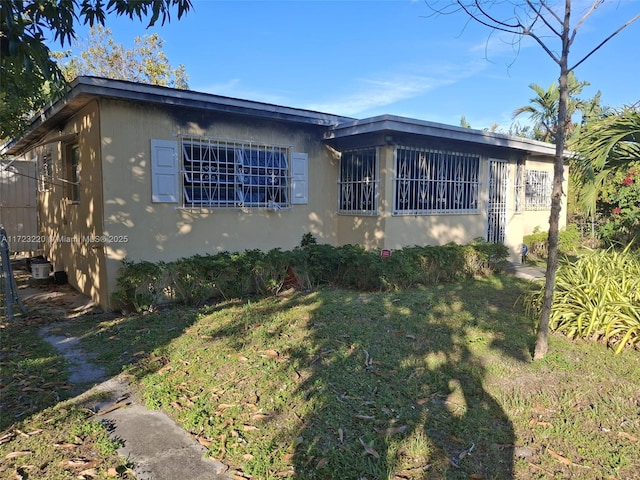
[299, 178]
[164, 171]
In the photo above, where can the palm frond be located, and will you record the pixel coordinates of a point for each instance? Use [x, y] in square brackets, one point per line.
[603, 147]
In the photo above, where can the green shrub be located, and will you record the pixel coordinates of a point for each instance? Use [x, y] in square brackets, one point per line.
[271, 271]
[199, 278]
[569, 240]
[619, 205]
[140, 285]
[597, 297]
[322, 263]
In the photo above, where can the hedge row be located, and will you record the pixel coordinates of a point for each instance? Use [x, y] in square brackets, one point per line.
[195, 280]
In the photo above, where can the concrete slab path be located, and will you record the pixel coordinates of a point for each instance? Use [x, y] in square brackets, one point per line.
[527, 272]
[158, 448]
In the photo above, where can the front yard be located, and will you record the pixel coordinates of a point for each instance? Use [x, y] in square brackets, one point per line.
[431, 382]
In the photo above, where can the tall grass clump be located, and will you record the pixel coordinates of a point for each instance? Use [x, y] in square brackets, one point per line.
[597, 297]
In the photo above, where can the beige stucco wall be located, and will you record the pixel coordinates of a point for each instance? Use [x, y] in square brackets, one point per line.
[532, 219]
[70, 230]
[162, 231]
[409, 230]
[369, 230]
[386, 230]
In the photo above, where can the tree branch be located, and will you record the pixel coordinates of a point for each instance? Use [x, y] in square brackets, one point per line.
[594, 5]
[496, 25]
[543, 18]
[605, 41]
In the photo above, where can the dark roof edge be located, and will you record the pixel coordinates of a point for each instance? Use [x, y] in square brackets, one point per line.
[92, 87]
[83, 89]
[394, 123]
[205, 101]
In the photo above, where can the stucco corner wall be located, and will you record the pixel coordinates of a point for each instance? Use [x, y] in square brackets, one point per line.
[71, 230]
[167, 231]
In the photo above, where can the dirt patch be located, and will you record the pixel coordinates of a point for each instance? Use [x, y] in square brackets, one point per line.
[48, 300]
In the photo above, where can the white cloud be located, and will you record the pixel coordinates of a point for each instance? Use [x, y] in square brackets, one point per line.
[502, 46]
[234, 88]
[373, 93]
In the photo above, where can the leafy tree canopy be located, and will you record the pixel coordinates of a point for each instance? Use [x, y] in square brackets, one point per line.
[101, 56]
[26, 63]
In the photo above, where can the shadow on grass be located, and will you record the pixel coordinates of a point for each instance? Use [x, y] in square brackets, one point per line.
[393, 384]
[32, 373]
[365, 385]
[417, 378]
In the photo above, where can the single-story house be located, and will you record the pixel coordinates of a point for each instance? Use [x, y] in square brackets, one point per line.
[154, 173]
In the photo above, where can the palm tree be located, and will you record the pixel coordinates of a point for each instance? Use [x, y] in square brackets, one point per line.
[543, 110]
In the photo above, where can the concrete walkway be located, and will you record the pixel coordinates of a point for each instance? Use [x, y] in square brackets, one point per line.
[158, 448]
[527, 272]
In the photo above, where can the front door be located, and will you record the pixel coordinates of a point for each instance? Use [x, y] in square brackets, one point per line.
[497, 203]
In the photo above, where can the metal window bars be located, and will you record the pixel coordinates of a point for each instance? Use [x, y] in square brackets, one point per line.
[519, 185]
[538, 190]
[433, 181]
[223, 173]
[358, 182]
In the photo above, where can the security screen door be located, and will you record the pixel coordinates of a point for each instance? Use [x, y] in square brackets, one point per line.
[497, 202]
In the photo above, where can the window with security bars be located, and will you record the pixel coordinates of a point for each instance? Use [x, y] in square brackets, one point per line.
[519, 185]
[538, 190]
[433, 181]
[218, 173]
[45, 172]
[358, 183]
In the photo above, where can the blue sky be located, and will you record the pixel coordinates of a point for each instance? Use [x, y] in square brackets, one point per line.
[366, 58]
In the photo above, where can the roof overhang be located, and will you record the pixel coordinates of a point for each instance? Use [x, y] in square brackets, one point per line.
[85, 89]
[392, 129]
[340, 132]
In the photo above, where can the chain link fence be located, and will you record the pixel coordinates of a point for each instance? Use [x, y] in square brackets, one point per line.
[9, 298]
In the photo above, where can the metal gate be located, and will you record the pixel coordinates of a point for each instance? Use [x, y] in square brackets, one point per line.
[18, 197]
[497, 202]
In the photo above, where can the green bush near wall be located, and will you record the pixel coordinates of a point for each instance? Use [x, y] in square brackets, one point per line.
[201, 278]
[569, 240]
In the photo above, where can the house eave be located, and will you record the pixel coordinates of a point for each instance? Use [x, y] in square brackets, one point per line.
[390, 125]
[84, 89]
[339, 130]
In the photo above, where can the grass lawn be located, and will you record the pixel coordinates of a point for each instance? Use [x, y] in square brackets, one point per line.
[332, 384]
[42, 434]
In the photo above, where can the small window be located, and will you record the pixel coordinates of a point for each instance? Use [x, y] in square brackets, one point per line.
[538, 190]
[358, 184]
[72, 173]
[219, 173]
[433, 181]
[519, 185]
[45, 170]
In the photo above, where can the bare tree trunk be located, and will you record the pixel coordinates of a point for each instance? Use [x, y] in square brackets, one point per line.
[542, 342]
